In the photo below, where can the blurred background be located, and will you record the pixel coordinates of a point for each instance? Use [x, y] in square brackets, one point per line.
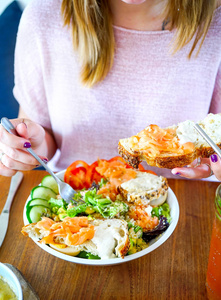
[10, 14]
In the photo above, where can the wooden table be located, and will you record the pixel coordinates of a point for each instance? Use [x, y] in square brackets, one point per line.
[175, 270]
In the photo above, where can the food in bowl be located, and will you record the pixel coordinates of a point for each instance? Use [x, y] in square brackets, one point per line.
[6, 291]
[119, 210]
[10, 287]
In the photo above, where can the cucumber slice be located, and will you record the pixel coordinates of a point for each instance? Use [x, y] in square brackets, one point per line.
[50, 182]
[34, 213]
[38, 201]
[42, 192]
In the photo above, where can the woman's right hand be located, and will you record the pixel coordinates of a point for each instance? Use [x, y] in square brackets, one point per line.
[13, 152]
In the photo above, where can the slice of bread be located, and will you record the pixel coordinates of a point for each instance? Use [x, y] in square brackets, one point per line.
[174, 146]
[145, 189]
[110, 240]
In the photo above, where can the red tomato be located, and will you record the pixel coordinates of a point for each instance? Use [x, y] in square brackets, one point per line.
[80, 175]
[92, 174]
[141, 167]
[77, 178]
[78, 163]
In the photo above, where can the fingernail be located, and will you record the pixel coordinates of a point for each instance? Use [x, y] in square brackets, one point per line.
[45, 160]
[214, 158]
[175, 173]
[27, 145]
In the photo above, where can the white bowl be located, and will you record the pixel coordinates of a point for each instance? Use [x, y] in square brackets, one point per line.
[12, 280]
[155, 243]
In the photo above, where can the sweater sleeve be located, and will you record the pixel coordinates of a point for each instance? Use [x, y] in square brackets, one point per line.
[29, 88]
[215, 106]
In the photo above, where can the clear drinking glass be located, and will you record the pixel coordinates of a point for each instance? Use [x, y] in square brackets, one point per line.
[213, 280]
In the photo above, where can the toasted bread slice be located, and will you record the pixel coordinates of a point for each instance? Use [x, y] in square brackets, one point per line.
[110, 240]
[145, 189]
[174, 146]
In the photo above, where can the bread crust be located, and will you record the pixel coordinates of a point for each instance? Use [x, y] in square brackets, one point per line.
[123, 251]
[145, 197]
[132, 159]
[164, 161]
[208, 151]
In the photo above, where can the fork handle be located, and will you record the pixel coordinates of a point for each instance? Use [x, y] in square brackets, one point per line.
[30, 150]
[11, 129]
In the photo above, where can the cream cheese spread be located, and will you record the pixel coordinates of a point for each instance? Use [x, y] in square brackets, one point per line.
[187, 133]
[108, 236]
[211, 124]
[144, 182]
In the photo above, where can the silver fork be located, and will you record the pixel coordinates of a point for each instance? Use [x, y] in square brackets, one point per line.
[65, 190]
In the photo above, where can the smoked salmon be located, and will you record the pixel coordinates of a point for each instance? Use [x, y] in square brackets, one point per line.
[153, 140]
[142, 219]
[116, 173]
[74, 231]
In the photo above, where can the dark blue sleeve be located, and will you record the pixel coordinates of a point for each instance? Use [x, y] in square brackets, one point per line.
[9, 21]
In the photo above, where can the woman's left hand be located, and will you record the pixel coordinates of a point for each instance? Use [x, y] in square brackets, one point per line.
[201, 169]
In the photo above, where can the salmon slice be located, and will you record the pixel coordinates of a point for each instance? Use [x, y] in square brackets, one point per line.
[80, 237]
[116, 173]
[154, 140]
[45, 223]
[142, 219]
[73, 231]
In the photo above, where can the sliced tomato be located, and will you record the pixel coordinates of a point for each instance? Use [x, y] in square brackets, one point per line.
[141, 167]
[77, 178]
[75, 175]
[78, 163]
[80, 175]
[92, 174]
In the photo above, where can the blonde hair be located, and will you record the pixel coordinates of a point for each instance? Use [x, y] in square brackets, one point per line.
[93, 36]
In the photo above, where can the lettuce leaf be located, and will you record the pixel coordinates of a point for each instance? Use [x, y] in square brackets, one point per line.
[87, 255]
[162, 210]
[104, 206]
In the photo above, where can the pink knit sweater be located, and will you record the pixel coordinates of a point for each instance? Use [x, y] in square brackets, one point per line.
[147, 84]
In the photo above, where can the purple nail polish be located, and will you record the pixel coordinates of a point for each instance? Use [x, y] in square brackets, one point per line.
[45, 160]
[178, 173]
[214, 158]
[27, 145]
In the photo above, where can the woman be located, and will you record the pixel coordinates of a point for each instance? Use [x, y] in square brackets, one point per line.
[114, 68]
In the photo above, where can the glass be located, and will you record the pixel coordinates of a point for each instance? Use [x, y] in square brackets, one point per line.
[213, 280]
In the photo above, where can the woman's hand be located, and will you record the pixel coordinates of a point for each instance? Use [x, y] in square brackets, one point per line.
[201, 169]
[13, 148]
